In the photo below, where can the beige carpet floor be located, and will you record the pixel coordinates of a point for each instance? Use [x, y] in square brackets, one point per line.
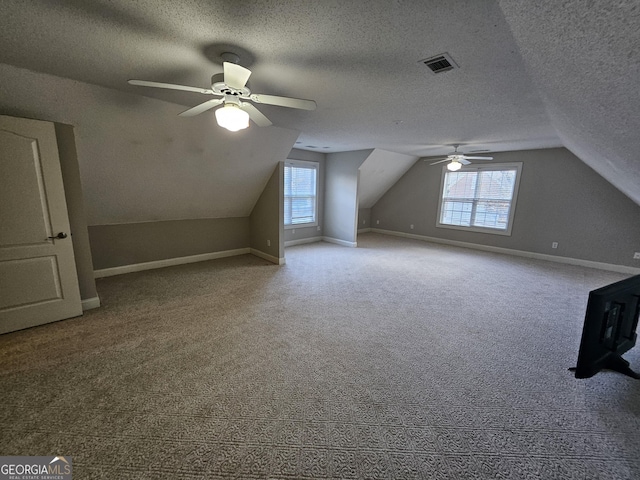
[398, 359]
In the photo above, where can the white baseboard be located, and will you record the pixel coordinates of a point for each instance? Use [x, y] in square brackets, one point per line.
[169, 262]
[364, 230]
[267, 257]
[301, 241]
[89, 303]
[518, 253]
[337, 241]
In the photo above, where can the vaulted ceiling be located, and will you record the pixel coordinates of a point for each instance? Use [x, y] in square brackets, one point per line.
[531, 74]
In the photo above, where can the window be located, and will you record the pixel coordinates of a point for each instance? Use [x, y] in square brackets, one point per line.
[479, 198]
[300, 194]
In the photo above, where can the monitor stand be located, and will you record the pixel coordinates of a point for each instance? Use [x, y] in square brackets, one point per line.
[617, 364]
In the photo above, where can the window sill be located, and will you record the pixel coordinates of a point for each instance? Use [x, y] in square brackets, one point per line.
[301, 225]
[491, 231]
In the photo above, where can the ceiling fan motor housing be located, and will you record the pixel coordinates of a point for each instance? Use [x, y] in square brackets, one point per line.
[222, 88]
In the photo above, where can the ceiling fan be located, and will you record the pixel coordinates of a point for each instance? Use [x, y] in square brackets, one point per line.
[235, 97]
[458, 159]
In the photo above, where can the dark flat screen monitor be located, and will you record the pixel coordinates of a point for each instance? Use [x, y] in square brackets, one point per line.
[609, 330]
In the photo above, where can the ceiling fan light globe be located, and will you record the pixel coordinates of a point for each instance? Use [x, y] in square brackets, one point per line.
[454, 166]
[232, 118]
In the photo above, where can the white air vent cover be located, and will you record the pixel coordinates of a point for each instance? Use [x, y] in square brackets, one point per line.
[440, 63]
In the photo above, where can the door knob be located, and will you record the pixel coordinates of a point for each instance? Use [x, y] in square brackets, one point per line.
[60, 235]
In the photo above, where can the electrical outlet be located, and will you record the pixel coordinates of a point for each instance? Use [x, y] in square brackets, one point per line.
[293, 231]
[377, 222]
[364, 222]
[636, 256]
[554, 245]
[411, 226]
[318, 228]
[268, 243]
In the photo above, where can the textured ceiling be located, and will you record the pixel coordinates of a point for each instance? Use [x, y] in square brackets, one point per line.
[584, 58]
[525, 78]
[358, 60]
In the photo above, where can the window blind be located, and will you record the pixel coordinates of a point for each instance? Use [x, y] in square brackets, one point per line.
[300, 186]
[478, 197]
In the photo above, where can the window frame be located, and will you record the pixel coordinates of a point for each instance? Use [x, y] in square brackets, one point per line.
[303, 164]
[517, 166]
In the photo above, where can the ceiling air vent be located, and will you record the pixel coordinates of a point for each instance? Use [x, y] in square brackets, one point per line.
[440, 63]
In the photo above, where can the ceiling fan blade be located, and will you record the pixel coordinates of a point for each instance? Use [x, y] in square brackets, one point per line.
[440, 161]
[284, 101]
[463, 161]
[477, 158]
[203, 107]
[255, 115]
[171, 86]
[235, 76]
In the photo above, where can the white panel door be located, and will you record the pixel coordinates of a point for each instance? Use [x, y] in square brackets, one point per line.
[38, 279]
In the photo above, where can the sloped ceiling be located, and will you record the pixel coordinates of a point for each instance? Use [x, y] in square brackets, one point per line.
[584, 58]
[360, 62]
[379, 172]
[139, 161]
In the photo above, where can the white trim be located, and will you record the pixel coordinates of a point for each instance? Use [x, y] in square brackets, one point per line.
[309, 165]
[169, 262]
[364, 230]
[303, 163]
[89, 303]
[337, 241]
[300, 241]
[267, 257]
[293, 226]
[478, 168]
[518, 253]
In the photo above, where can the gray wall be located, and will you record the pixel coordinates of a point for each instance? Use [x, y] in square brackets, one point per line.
[560, 200]
[379, 172]
[301, 233]
[364, 218]
[139, 161]
[131, 243]
[267, 217]
[76, 210]
[341, 194]
[154, 185]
